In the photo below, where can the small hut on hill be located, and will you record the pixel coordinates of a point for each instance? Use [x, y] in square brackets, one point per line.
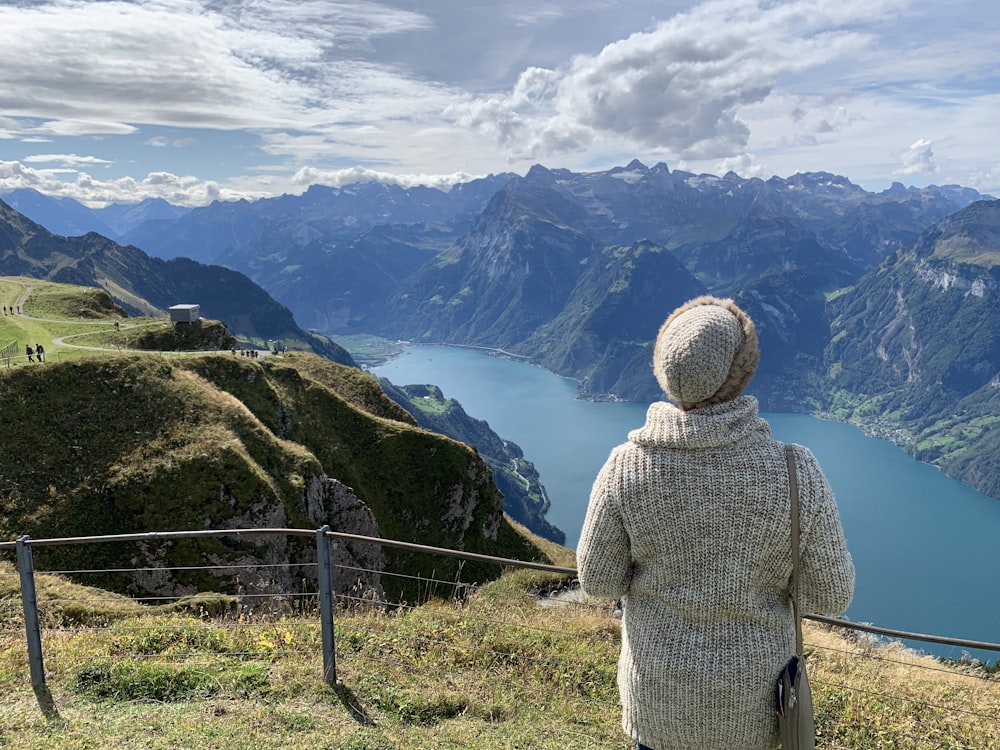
[184, 313]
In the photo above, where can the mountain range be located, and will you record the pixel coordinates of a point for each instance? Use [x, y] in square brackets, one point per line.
[872, 307]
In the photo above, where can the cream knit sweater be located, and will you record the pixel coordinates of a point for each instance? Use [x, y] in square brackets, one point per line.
[689, 525]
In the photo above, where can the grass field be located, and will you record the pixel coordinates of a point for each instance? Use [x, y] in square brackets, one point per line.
[71, 322]
[66, 320]
[370, 350]
[495, 671]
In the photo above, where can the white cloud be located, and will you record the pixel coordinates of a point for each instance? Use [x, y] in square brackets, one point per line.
[161, 141]
[192, 191]
[537, 14]
[245, 64]
[326, 21]
[680, 87]
[918, 159]
[744, 165]
[985, 179]
[65, 159]
[340, 177]
[73, 126]
[316, 87]
[13, 175]
[179, 190]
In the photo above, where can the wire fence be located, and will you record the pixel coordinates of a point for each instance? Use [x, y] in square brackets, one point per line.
[331, 617]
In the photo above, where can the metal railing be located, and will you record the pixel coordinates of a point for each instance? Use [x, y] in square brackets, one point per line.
[9, 352]
[326, 588]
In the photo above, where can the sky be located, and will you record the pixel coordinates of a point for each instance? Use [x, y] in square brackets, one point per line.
[200, 100]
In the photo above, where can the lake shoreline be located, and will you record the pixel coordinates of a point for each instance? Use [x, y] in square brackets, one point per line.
[924, 544]
[876, 429]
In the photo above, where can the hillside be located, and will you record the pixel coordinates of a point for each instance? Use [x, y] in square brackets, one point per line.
[915, 348]
[525, 499]
[131, 442]
[144, 285]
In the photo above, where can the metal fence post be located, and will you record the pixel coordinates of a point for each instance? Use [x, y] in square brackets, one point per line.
[325, 575]
[32, 628]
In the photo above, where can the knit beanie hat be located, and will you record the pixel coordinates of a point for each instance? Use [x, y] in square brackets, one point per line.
[706, 352]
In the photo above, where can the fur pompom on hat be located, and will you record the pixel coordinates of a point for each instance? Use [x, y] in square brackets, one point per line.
[705, 353]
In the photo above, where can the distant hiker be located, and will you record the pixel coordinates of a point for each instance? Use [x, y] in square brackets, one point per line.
[30, 352]
[5, 309]
[116, 325]
[18, 309]
[40, 352]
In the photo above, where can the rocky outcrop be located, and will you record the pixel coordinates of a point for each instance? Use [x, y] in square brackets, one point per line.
[945, 275]
[357, 565]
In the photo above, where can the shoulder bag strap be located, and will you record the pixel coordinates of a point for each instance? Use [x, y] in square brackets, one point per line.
[793, 492]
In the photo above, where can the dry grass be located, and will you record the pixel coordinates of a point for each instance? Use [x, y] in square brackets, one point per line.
[873, 694]
[497, 670]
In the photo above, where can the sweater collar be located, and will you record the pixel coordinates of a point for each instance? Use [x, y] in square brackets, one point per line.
[713, 426]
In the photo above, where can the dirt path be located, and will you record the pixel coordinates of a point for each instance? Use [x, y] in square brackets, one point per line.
[63, 341]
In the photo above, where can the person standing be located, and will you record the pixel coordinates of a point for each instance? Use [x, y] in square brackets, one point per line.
[40, 352]
[688, 524]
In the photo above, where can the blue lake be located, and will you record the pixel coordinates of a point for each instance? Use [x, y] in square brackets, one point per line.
[926, 547]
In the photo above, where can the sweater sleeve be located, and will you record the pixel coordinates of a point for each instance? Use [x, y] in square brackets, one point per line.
[604, 557]
[827, 576]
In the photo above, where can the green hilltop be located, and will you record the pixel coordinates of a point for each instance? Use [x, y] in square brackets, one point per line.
[142, 285]
[107, 439]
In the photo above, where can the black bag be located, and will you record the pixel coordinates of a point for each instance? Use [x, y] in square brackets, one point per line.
[796, 724]
[795, 710]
